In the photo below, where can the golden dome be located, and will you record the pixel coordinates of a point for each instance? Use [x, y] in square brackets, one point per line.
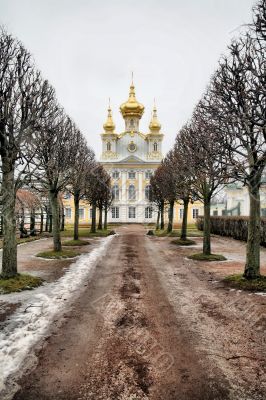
[132, 108]
[109, 125]
[155, 125]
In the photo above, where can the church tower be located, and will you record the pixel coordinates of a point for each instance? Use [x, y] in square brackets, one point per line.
[132, 111]
[131, 157]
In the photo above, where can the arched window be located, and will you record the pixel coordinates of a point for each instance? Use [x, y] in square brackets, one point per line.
[108, 146]
[131, 192]
[115, 192]
[132, 123]
[155, 146]
[148, 192]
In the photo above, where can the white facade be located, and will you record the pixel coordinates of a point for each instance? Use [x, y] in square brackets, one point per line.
[130, 158]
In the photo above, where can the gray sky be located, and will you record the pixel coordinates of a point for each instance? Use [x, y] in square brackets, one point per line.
[88, 48]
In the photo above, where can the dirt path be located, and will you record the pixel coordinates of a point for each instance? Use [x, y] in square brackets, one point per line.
[150, 325]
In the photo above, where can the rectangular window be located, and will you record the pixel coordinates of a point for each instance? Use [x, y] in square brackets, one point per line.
[68, 212]
[195, 213]
[90, 213]
[115, 175]
[115, 212]
[181, 213]
[148, 174]
[131, 175]
[67, 196]
[81, 213]
[148, 212]
[131, 212]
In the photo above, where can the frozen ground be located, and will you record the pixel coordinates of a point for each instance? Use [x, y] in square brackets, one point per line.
[39, 308]
[136, 319]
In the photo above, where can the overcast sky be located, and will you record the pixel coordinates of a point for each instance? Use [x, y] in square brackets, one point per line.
[88, 48]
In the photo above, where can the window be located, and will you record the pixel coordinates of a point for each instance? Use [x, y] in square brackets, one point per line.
[131, 175]
[67, 196]
[90, 213]
[131, 192]
[115, 192]
[131, 212]
[115, 212]
[115, 175]
[215, 213]
[108, 146]
[148, 192]
[155, 146]
[181, 213]
[148, 174]
[148, 212]
[68, 212]
[81, 213]
[195, 213]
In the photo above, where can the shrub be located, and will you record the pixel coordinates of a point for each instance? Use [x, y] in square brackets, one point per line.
[233, 226]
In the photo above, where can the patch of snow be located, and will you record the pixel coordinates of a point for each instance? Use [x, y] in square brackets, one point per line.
[30, 323]
[260, 293]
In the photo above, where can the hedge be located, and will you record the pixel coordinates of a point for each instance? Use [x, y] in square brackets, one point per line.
[233, 226]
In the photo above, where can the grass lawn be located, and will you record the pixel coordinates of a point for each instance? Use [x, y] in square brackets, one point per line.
[57, 255]
[18, 283]
[83, 232]
[192, 231]
[239, 282]
[78, 242]
[181, 242]
[203, 257]
[24, 240]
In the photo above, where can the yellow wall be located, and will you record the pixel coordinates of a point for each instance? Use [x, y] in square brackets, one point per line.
[69, 204]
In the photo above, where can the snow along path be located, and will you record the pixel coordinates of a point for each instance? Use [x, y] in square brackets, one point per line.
[31, 321]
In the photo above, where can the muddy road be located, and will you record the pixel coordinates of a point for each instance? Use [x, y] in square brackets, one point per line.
[152, 325]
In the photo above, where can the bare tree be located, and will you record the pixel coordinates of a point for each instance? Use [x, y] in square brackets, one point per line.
[205, 158]
[55, 147]
[24, 99]
[84, 162]
[157, 188]
[237, 104]
[183, 178]
[98, 184]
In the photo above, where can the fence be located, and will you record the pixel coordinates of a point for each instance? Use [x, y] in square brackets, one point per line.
[235, 227]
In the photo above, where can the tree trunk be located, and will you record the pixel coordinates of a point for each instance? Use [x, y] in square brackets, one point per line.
[55, 220]
[252, 267]
[105, 218]
[100, 224]
[22, 223]
[207, 227]
[171, 217]
[50, 219]
[93, 219]
[62, 220]
[32, 223]
[47, 219]
[41, 223]
[184, 220]
[1, 226]
[158, 220]
[9, 259]
[162, 215]
[76, 217]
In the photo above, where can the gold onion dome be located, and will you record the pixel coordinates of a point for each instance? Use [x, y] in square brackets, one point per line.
[132, 108]
[109, 125]
[155, 125]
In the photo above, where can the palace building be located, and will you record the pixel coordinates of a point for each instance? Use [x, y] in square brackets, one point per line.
[131, 158]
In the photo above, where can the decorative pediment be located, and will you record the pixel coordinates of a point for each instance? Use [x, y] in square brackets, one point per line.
[131, 159]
